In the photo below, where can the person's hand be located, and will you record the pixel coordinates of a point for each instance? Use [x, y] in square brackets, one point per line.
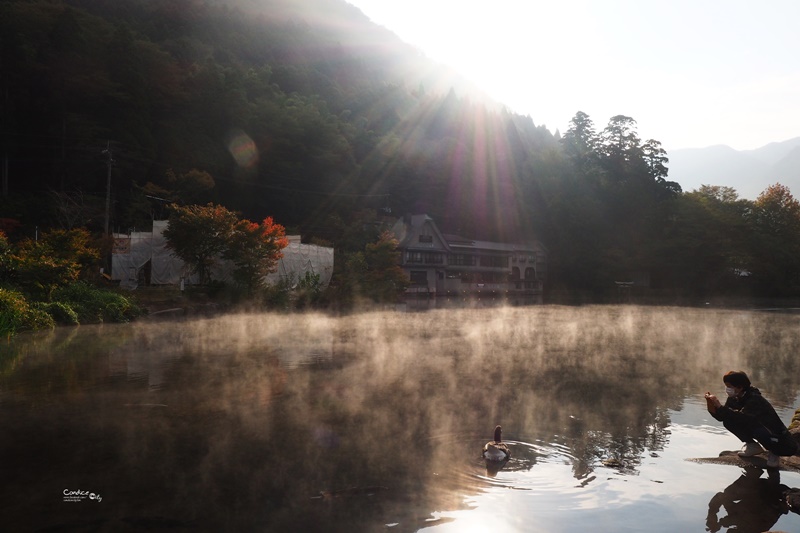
[712, 403]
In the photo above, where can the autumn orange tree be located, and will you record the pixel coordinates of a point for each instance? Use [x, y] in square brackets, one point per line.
[199, 235]
[255, 249]
[775, 222]
[56, 259]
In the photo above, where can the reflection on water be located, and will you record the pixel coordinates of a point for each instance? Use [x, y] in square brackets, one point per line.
[376, 421]
[751, 503]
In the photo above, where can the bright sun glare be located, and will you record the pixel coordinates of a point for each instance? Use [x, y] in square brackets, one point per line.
[665, 65]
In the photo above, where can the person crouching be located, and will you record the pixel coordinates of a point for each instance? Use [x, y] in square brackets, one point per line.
[749, 416]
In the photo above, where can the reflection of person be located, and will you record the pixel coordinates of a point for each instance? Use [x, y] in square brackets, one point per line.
[753, 504]
[749, 416]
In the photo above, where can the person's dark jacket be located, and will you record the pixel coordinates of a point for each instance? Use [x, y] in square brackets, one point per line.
[750, 410]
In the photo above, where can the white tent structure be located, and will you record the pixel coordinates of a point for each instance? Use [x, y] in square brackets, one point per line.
[143, 257]
[143, 252]
[298, 259]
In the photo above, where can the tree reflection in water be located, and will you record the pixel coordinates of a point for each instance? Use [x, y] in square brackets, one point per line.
[242, 422]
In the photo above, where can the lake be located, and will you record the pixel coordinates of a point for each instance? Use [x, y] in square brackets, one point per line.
[375, 422]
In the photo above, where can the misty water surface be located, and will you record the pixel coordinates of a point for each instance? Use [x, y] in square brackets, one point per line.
[375, 421]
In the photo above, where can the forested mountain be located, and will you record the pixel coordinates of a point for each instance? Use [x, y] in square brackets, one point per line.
[305, 111]
[747, 171]
[295, 109]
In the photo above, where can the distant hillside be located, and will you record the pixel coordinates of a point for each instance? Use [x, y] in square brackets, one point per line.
[747, 171]
[303, 110]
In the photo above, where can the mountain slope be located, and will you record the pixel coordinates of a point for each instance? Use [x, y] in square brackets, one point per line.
[299, 109]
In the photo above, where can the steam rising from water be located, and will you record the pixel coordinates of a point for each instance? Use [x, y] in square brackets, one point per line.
[245, 419]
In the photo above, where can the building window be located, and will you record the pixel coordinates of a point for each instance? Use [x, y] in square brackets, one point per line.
[433, 258]
[419, 277]
[494, 261]
[426, 238]
[462, 260]
[429, 258]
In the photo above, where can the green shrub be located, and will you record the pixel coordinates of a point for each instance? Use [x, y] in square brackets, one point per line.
[17, 314]
[94, 305]
[37, 319]
[278, 296]
[308, 291]
[114, 312]
[83, 299]
[62, 313]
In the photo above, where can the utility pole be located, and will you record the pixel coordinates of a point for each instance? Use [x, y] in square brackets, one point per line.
[6, 145]
[110, 163]
[5, 175]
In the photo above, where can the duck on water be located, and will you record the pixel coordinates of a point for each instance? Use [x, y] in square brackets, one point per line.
[496, 450]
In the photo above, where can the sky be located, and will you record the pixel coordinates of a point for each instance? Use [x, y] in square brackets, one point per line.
[691, 73]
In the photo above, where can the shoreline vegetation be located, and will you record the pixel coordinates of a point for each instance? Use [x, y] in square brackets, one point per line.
[76, 304]
[85, 303]
[49, 280]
